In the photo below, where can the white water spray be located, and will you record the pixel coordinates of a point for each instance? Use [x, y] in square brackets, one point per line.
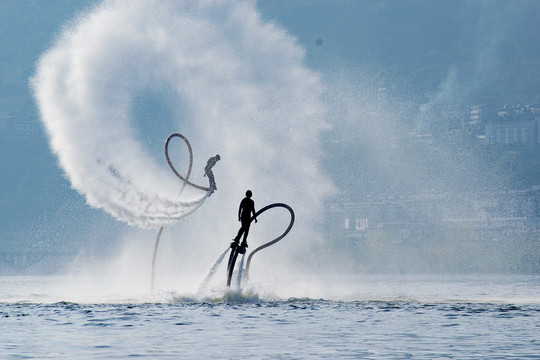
[240, 272]
[243, 89]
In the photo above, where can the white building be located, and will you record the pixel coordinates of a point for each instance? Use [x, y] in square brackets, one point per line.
[514, 132]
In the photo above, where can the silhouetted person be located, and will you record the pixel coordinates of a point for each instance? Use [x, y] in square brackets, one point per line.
[208, 171]
[245, 210]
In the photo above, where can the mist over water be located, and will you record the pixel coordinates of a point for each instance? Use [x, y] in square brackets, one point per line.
[123, 76]
[211, 70]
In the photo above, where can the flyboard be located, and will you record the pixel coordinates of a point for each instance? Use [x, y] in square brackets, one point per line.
[237, 249]
[185, 181]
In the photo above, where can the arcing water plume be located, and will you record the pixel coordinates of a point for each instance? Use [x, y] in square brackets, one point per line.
[232, 84]
[241, 88]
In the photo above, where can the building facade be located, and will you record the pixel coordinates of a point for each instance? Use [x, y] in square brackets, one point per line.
[491, 213]
[514, 132]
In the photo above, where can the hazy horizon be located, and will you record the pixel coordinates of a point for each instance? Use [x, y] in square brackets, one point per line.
[289, 77]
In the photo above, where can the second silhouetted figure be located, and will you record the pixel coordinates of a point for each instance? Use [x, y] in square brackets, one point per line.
[208, 172]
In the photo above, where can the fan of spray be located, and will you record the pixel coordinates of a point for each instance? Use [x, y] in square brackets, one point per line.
[241, 81]
[238, 87]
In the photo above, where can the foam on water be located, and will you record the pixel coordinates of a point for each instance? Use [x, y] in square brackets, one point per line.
[408, 289]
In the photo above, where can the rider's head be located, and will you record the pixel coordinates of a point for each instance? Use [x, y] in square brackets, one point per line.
[249, 194]
[217, 157]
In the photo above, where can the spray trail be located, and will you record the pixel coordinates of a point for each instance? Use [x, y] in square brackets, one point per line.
[211, 272]
[243, 92]
[240, 272]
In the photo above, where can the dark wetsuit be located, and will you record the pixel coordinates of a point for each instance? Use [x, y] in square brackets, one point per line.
[246, 209]
[208, 172]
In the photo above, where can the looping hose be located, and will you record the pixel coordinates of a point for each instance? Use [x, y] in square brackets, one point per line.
[185, 181]
[272, 242]
[234, 252]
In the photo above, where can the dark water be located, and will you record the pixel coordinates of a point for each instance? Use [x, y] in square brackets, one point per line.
[244, 325]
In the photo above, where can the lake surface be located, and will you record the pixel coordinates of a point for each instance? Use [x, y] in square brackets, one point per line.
[361, 317]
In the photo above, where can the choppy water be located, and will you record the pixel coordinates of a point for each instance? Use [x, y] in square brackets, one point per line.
[368, 317]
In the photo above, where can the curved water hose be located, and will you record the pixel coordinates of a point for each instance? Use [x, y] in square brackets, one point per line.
[291, 223]
[154, 258]
[185, 181]
[234, 252]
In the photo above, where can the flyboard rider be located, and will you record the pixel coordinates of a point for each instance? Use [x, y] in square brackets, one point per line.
[245, 211]
[208, 171]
